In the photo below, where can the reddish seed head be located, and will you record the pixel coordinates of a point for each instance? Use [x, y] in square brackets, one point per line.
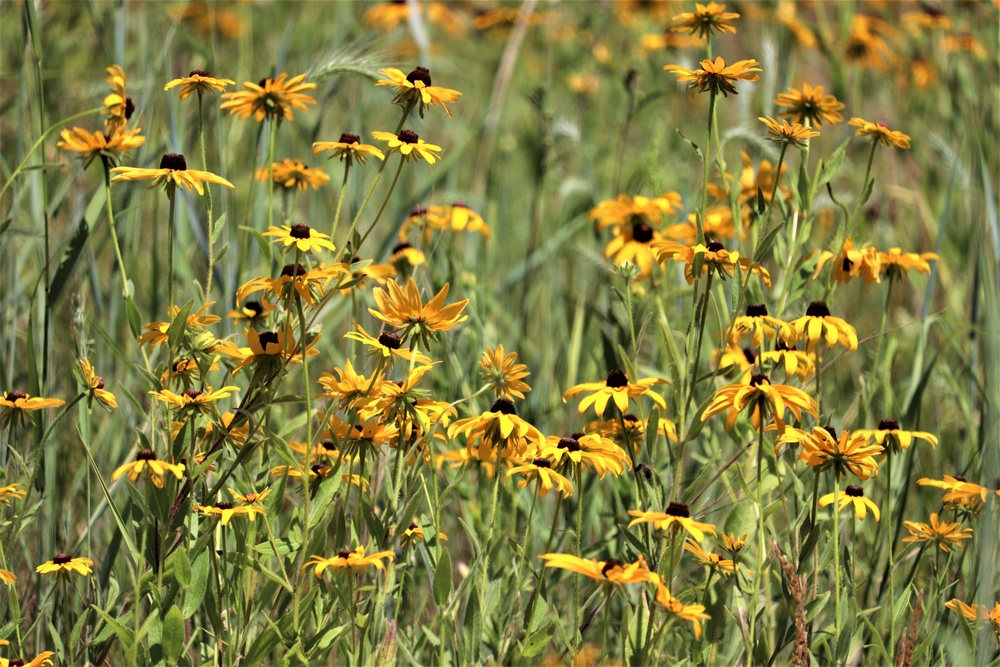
[299, 231]
[199, 72]
[421, 74]
[350, 138]
[173, 161]
[678, 509]
[504, 406]
[617, 379]
[61, 559]
[408, 137]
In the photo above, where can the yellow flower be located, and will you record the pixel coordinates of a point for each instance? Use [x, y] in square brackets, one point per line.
[616, 388]
[677, 515]
[158, 333]
[762, 397]
[713, 256]
[715, 76]
[387, 346]
[201, 82]
[43, 659]
[117, 106]
[690, 612]
[548, 479]
[145, 460]
[8, 577]
[173, 172]
[733, 544]
[783, 133]
[408, 144]
[405, 257]
[253, 497]
[896, 263]
[632, 434]
[98, 144]
[502, 372]
[11, 491]
[271, 98]
[850, 263]
[611, 570]
[294, 279]
[355, 391]
[818, 325]
[15, 400]
[497, 429]
[795, 362]
[880, 133]
[848, 453]
[268, 347]
[416, 88]
[743, 359]
[460, 218]
[622, 211]
[757, 325]
[291, 174]
[894, 439]
[866, 43]
[304, 238]
[349, 148]
[254, 313]
[715, 560]
[348, 559]
[957, 490]
[226, 511]
[591, 450]
[196, 400]
[970, 611]
[403, 308]
[414, 532]
[943, 533]
[95, 385]
[65, 564]
[852, 495]
[704, 19]
[361, 270]
[634, 243]
[810, 104]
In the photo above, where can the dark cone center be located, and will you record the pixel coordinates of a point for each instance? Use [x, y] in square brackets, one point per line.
[390, 339]
[350, 138]
[611, 564]
[646, 471]
[759, 379]
[267, 338]
[541, 463]
[328, 445]
[421, 74]
[678, 509]
[750, 355]
[888, 425]
[960, 478]
[503, 406]
[854, 491]
[630, 419]
[299, 231]
[62, 559]
[400, 247]
[569, 444]
[460, 204]
[254, 307]
[817, 309]
[715, 246]
[756, 310]
[145, 455]
[408, 137]
[343, 553]
[199, 72]
[831, 430]
[15, 395]
[223, 505]
[617, 379]
[642, 233]
[293, 270]
[413, 526]
[129, 108]
[100, 383]
[173, 161]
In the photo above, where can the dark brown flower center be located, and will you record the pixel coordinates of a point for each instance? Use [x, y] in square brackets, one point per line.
[390, 339]
[541, 463]
[223, 505]
[888, 425]
[400, 247]
[611, 564]
[750, 355]
[846, 265]
[756, 310]
[418, 211]
[759, 379]
[960, 478]
[854, 491]
[460, 204]
[421, 74]
[328, 445]
[630, 419]
[145, 455]
[263, 82]
[199, 72]
[617, 379]
[254, 307]
[62, 559]
[714, 246]
[16, 662]
[817, 309]
[173, 161]
[15, 395]
[831, 430]
[781, 346]
[569, 444]
[316, 469]
[408, 137]
[267, 338]
[678, 509]
[129, 108]
[642, 233]
[343, 553]
[299, 231]
[503, 406]
[413, 526]
[192, 393]
[350, 138]
[100, 383]
[293, 270]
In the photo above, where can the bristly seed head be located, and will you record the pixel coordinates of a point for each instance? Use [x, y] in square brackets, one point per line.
[100, 383]
[350, 138]
[642, 233]
[293, 270]
[145, 455]
[630, 419]
[541, 463]
[421, 74]
[750, 355]
[61, 559]
[263, 82]
[569, 444]
[328, 445]
[413, 526]
[299, 231]
[343, 553]
[854, 491]
[817, 309]
[129, 108]
[408, 137]
[503, 406]
[390, 339]
[199, 72]
[16, 662]
[400, 247]
[831, 430]
[267, 338]
[15, 395]
[611, 564]
[714, 246]
[192, 393]
[888, 425]
[223, 505]
[960, 478]
[678, 509]
[173, 162]
[846, 265]
[756, 310]
[617, 379]
[757, 379]
[254, 307]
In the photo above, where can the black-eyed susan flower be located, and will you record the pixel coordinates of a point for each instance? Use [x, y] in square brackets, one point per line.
[852, 495]
[425, 220]
[896, 263]
[959, 495]
[11, 491]
[195, 400]
[416, 88]
[64, 564]
[199, 81]
[118, 107]
[344, 559]
[894, 439]
[945, 534]
[687, 612]
[783, 132]
[252, 313]
[677, 515]
[762, 398]
[705, 19]
[294, 174]
[146, 461]
[616, 388]
[403, 308]
[757, 325]
[709, 558]
[795, 362]
[866, 43]
[108, 147]
[365, 271]
[158, 333]
[387, 346]
[304, 238]
[415, 532]
[502, 373]
[852, 262]
[587, 449]
[251, 497]
[611, 570]
[970, 611]
[409, 145]
[225, 510]
[210, 21]
[43, 659]
[355, 391]
[540, 469]
[846, 452]
[733, 544]
[95, 386]
[810, 104]
[405, 257]
[349, 148]
[173, 172]
[460, 218]
[713, 258]
[635, 244]
[880, 133]
[272, 98]
[16, 404]
[744, 359]
[817, 326]
[268, 347]
[622, 211]
[499, 429]
[293, 279]
[633, 431]
[715, 76]
[8, 577]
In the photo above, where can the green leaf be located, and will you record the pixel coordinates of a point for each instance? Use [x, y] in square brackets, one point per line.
[765, 243]
[442, 579]
[536, 642]
[868, 191]
[132, 313]
[831, 165]
[178, 325]
[75, 246]
[220, 224]
[222, 251]
[195, 593]
[473, 628]
[173, 634]
[180, 564]
[124, 634]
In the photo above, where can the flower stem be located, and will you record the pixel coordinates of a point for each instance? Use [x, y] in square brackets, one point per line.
[340, 202]
[577, 599]
[760, 539]
[836, 566]
[890, 539]
[111, 226]
[700, 220]
[385, 201]
[777, 180]
[864, 186]
[172, 198]
[498, 473]
[208, 200]
[273, 130]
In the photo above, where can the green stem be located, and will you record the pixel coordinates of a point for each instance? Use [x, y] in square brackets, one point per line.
[700, 220]
[208, 200]
[340, 202]
[777, 180]
[111, 226]
[864, 187]
[273, 131]
[385, 201]
[890, 539]
[760, 539]
[836, 566]
[577, 598]
[172, 198]
[498, 474]
[881, 337]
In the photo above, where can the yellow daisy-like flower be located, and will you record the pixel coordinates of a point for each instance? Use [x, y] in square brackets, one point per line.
[852, 495]
[894, 439]
[404, 309]
[416, 88]
[816, 326]
[632, 435]
[65, 564]
[413, 533]
[810, 104]
[304, 238]
[970, 611]
[272, 98]
[387, 346]
[404, 257]
[616, 388]
[348, 559]
[363, 270]
[291, 174]
[12, 491]
[253, 497]
[713, 257]
[117, 106]
[958, 492]
[98, 144]
[173, 172]
[784, 133]
[293, 279]
[711, 559]
[548, 479]
[945, 534]
[850, 452]
[863, 263]
[95, 385]
[744, 359]
[677, 515]
[146, 461]
[201, 82]
[705, 19]
[158, 333]
[756, 324]
[688, 612]
[795, 362]
[43, 659]
[499, 428]
[460, 218]
[457, 458]
[15, 400]
[587, 449]
[761, 397]
[408, 144]
[733, 544]
[880, 133]
[8, 577]
[226, 510]
[622, 211]
[253, 313]
[634, 244]
[354, 390]
[196, 400]
[611, 570]
[896, 263]
[502, 372]
[715, 76]
[348, 149]
[270, 347]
